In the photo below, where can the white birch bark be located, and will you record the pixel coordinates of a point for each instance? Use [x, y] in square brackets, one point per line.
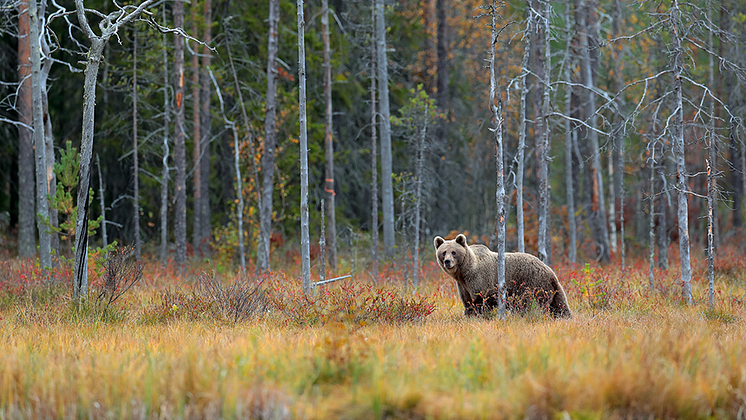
[304, 241]
[651, 217]
[711, 169]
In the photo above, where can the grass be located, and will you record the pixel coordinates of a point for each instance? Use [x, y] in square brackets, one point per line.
[628, 352]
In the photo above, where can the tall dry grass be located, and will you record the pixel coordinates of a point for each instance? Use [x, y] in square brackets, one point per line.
[628, 352]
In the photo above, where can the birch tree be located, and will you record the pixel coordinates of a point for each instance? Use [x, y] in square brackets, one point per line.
[331, 241]
[385, 128]
[268, 157]
[304, 240]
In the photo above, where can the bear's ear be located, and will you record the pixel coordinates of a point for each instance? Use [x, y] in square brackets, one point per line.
[438, 241]
[461, 240]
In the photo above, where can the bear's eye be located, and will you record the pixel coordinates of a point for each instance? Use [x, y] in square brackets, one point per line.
[453, 252]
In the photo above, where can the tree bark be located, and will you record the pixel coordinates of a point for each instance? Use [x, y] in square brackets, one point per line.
[522, 136]
[42, 204]
[572, 230]
[496, 108]
[597, 217]
[268, 158]
[386, 159]
[135, 152]
[26, 227]
[102, 203]
[51, 178]
[418, 200]
[206, 126]
[80, 288]
[373, 148]
[442, 99]
[677, 134]
[542, 127]
[179, 142]
[651, 215]
[197, 142]
[166, 151]
[331, 242]
[304, 228]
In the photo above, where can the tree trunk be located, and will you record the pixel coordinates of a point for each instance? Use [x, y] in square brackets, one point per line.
[664, 204]
[711, 169]
[572, 230]
[418, 200]
[102, 203]
[677, 132]
[442, 98]
[206, 125]
[51, 178]
[268, 158]
[304, 228]
[42, 204]
[179, 146]
[373, 148]
[80, 289]
[166, 132]
[331, 242]
[522, 136]
[542, 127]
[197, 142]
[135, 153]
[496, 108]
[612, 201]
[26, 228]
[597, 217]
[386, 160]
[651, 220]
[249, 133]
[737, 179]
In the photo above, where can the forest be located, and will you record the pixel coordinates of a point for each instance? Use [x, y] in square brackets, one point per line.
[260, 177]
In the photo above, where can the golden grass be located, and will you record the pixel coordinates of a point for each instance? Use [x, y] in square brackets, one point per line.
[644, 355]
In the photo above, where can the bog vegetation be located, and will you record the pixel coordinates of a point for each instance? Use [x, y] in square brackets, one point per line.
[227, 345]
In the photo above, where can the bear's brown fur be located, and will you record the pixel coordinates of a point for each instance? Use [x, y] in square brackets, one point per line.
[474, 267]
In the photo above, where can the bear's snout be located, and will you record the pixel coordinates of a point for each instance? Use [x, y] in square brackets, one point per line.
[448, 263]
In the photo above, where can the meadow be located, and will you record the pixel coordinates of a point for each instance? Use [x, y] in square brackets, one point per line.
[371, 348]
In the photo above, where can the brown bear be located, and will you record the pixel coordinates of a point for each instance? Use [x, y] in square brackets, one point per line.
[474, 267]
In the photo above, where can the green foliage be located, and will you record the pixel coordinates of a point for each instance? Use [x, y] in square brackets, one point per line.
[64, 199]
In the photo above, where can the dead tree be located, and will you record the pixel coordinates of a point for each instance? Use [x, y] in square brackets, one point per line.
[373, 147]
[569, 133]
[542, 127]
[179, 141]
[268, 157]
[331, 242]
[386, 158]
[304, 241]
[520, 155]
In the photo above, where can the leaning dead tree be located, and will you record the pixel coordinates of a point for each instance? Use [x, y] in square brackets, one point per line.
[109, 26]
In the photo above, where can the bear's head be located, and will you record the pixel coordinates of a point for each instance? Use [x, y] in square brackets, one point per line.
[451, 254]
